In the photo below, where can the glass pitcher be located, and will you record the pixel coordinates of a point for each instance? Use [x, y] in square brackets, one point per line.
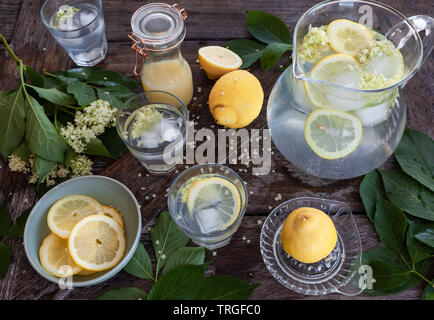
[380, 113]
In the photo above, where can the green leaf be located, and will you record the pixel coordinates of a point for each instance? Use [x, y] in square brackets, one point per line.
[54, 95]
[140, 264]
[183, 256]
[64, 80]
[81, 73]
[428, 293]
[42, 136]
[116, 96]
[424, 231]
[113, 143]
[35, 78]
[267, 28]
[23, 151]
[83, 93]
[166, 238]
[417, 250]
[272, 53]
[371, 189]
[225, 288]
[126, 293]
[249, 51]
[391, 225]
[5, 220]
[17, 230]
[182, 283]
[415, 155]
[5, 259]
[70, 154]
[12, 121]
[111, 78]
[42, 167]
[97, 148]
[408, 194]
[389, 271]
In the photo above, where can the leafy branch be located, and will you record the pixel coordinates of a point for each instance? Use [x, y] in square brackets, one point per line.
[182, 270]
[274, 37]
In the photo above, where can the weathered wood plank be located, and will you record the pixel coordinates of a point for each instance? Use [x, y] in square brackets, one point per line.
[9, 12]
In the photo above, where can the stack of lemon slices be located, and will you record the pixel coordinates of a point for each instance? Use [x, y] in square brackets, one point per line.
[86, 237]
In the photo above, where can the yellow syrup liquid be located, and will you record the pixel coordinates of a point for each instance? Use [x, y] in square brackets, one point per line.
[173, 76]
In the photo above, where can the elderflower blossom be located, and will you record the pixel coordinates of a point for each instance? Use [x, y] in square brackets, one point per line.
[376, 48]
[314, 42]
[16, 164]
[88, 124]
[81, 166]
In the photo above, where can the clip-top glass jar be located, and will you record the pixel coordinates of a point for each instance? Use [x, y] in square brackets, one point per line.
[158, 30]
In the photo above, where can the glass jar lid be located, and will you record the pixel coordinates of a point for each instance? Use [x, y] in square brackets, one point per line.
[159, 26]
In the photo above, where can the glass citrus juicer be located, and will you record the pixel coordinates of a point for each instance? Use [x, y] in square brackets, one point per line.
[339, 112]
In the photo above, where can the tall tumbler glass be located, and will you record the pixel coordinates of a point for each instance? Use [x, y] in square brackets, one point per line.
[78, 26]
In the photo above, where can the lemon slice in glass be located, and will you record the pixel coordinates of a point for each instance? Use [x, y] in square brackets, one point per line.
[97, 243]
[332, 134]
[66, 212]
[217, 61]
[215, 203]
[340, 69]
[346, 36]
[55, 259]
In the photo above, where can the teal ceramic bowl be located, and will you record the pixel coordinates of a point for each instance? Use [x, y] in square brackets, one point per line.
[103, 189]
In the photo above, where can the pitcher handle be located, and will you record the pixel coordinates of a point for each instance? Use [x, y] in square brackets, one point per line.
[424, 23]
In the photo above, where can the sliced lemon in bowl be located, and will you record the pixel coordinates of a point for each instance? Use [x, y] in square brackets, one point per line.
[348, 37]
[111, 212]
[339, 69]
[55, 259]
[332, 134]
[217, 61]
[215, 202]
[66, 212]
[97, 243]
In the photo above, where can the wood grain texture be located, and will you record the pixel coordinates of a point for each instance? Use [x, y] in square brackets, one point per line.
[225, 20]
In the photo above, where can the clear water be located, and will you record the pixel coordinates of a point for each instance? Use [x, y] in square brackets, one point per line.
[206, 220]
[160, 147]
[82, 35]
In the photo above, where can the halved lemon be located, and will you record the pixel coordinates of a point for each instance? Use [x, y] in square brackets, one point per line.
[332, 134]
[340, 69]
[97, 243]
[348, 37]
[215, 202]
[217, 61]
[114, 214]
[66, 212]
[55, 259]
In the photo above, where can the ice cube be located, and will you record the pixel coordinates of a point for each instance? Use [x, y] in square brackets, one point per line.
[388, 66]
[84, 17]
[169, 129]
[371, 116]
[149, 140]
[209, 220]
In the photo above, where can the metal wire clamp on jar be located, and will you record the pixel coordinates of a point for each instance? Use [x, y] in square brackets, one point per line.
[158, 30]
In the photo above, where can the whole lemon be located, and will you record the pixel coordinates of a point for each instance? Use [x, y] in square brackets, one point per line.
[308, 235]
[236, 99]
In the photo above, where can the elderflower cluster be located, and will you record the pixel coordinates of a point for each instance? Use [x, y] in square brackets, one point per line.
[376, 48]
[16, 164]
[314, 43]
[88, 124]
[81, 166]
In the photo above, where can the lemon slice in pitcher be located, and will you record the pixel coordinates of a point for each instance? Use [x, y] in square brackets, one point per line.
[66, 212]
[214, 199]
[97, 243]
[348, 37]
[332, 134]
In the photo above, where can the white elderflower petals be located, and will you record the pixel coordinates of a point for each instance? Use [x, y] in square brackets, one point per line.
[88, 124]
[314, 43]
[16, 164]
[81, 166]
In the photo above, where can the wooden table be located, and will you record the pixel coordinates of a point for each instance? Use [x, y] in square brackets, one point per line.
[224, 20]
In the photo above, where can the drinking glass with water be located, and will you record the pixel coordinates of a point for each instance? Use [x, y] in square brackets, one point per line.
[78, 26]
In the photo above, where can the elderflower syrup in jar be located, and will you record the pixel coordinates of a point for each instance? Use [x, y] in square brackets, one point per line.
[152, 124]
[158, 30]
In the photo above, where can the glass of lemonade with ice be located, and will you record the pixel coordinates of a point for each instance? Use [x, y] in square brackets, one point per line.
[208, 202]
[153, 126]
[78, 26]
